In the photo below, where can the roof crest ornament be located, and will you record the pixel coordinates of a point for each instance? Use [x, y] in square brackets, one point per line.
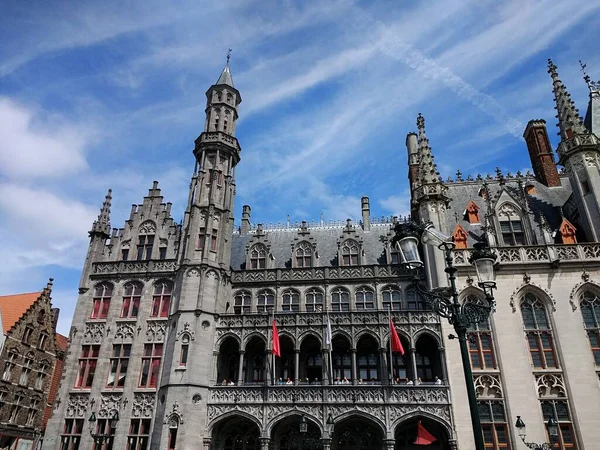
[228, 57]
[592, 85]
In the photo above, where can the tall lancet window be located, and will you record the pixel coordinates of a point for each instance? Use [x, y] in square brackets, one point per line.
[590, 309]
[258, 257]
[303, 254]
[539, 332]
[511, 225]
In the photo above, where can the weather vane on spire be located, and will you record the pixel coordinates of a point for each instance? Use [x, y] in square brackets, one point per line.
[592, 85]
[228, 55]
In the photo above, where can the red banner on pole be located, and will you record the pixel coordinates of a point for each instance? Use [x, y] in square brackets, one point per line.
[276, 350]
[396, 344]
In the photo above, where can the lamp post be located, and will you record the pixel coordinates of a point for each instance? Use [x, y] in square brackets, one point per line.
[444, 300]
[552, 433]
[308, 440]
[99, 438]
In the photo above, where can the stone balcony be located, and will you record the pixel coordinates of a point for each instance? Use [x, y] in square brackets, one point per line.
[538, 254]
[384, 402]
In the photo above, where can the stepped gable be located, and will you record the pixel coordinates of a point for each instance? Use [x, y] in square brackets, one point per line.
[326, 238]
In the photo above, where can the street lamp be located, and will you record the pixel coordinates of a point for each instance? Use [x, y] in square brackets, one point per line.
[552, 433]
[444, 301]
[99, 438]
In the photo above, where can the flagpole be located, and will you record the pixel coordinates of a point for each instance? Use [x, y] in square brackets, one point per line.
[272, 353]
[391, 353]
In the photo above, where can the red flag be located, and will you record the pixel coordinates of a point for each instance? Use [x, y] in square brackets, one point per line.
[396, 344]
[276, 350]
[424, 437]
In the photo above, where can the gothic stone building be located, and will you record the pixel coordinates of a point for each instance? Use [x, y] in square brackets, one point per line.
[31, 360]
[172, 328]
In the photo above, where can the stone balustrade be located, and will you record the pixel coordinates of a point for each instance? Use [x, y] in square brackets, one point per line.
[135, 267]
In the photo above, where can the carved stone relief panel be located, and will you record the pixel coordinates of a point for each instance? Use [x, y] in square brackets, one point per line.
[125, 331]
[94, 332]
[488, 386]
[155, 330]
[109, 404]
[143, 405]
[550, 385]
[78, 404]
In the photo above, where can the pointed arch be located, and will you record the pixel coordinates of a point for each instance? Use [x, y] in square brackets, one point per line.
[529, 286]
[538, 328]
[364, 298]
[511, 224]
[303, 254]
[290, 300]
[101, 301]
[406, 425]
[161, 298]
[391, 297]
[257, 256]
[580, 288]
[350, 252]
[281, 418]
[242, 301]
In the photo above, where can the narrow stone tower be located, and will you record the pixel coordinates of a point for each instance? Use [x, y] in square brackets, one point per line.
[579, 153]
[202, 286]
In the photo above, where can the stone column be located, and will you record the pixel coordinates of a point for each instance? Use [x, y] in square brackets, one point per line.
[206, 443]
[442, 356]
[297, 365]
[326, 443]
[384, 371]
[413, 361]
[264, 443]
[390, 444]
[214, 369]
[354, 368]
[240, 380]
[325, 369]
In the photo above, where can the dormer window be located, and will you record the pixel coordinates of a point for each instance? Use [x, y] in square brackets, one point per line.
[459, 236]
[567, 232]
[350, 253]
[258, 257]
[303, 255]
[471, 213]
[511, 225]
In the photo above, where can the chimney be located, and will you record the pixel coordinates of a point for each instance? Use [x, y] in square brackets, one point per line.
[540, 153]
[55, 312]
[413, 158]
[366, 213]
[245, 220]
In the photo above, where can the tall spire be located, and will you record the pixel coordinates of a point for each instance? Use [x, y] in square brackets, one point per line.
[225, 77]
[428, 172]
[569, 121]
[592, 116]
[102, 224]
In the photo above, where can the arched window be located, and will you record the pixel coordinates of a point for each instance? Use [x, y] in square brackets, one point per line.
[481, 347]
[258, 257]
[185, 350]
[342, 358]
[539, 333]
[303, 255]
[101, 301]
[414, 302]
[290, 301]
[26, 369]
[131, 299]
[242, 302]
[265, 300]
[367, 355]
[314, 300]
[350, 253]
[161, 299]
[364, 298]
[511, 225]
[145, 241]
[10, 364]
[590, 309]
[340, 300]
[392, 298]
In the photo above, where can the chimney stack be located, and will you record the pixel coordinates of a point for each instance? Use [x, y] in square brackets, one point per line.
[413, 158]
[245, 220]
[540, 153]
[366, 213]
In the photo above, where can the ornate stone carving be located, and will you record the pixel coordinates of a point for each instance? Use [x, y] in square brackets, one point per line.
[78, 404]
[519, 291]
[108, 404]
[147, 227]
[155, 330]
[186, 330]
[193, 272]
[550, 385]
[143, 405]
[488, 386]
[125, 330]
[94, 332]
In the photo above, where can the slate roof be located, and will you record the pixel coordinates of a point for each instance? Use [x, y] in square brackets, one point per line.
[592, 116]
[327, 238]
[225, 77]
[544, 201]
[14, 306]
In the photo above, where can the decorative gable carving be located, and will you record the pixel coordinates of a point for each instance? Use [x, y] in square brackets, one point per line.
[304, 248]
[350, 247]
[459, 236]
[258, 251]
[567, 232]
[471, 213]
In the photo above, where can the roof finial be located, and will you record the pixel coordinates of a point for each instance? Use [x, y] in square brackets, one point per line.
[228, 56]
[569, 121]
[48, 288]
[102, 225]
[421, 125]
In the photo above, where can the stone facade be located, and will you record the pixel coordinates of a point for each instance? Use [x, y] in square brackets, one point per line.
[173, 327]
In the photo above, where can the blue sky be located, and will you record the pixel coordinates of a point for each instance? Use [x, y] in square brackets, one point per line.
[97, 95]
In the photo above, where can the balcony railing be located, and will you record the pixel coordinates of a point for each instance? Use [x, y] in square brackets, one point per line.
[131, 267]
[537, 254]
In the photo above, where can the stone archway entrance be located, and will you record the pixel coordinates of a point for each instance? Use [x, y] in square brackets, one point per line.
[357, 433]
[236, 433]
[286, 435]
[406, 434]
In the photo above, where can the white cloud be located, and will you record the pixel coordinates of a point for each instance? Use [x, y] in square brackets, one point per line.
[397, 205]
[30, 149]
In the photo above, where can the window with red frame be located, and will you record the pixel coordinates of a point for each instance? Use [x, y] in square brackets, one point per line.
[131, 300]
[118, 365]
[258, 257]
[87, 366]
[161, 299]
[539, 333]
[150, 365]
[213, 240]
[139, 434]
[71, 435]
[481, 346]
[350, 253]
[559, 411]
[101, 302]
[493, 425]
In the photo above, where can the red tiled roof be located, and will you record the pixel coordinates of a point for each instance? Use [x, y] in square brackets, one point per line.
[14, 306]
